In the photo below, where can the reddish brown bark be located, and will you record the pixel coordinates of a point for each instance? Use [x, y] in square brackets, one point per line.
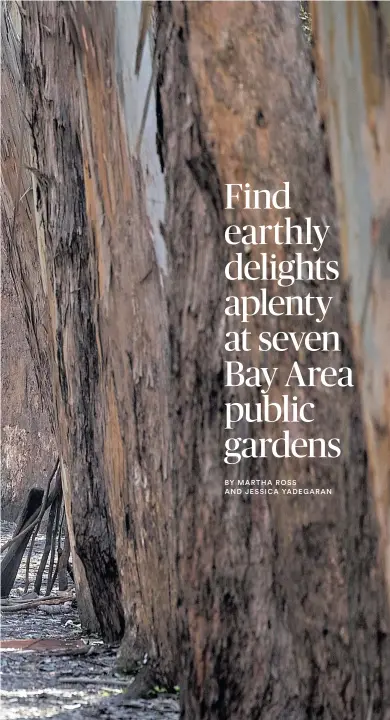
[27, 442]
[357, 36]
[282, 605]
[24, 245]
[107, 325]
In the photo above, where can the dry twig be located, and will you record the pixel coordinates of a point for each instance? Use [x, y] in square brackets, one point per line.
[27, 604]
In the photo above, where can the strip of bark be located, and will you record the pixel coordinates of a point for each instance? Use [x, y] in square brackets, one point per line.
[50, 576]
[37, 526]
[63, 563]
[49, 533]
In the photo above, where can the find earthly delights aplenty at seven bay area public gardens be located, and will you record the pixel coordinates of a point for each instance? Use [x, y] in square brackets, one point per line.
[283, 273]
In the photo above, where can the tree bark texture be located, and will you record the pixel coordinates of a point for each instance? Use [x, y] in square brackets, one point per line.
[24, 247]
[27, 441]
[353, 41]
[282, 608]
[107, 318]
[282, 605]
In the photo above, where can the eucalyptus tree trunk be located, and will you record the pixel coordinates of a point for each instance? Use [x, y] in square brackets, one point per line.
[21, 230]
[282, 609]
[28, 450]
[281, 604]
[98, 202]
[356, 38]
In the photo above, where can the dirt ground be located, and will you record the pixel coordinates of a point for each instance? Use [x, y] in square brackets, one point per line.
[43, 682]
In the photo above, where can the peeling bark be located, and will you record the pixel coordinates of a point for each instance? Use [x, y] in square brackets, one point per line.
[133, 342]
[22, 250]
[27, 442]
[68, 283]
[353, 52]
[282, 606]
[107, 328]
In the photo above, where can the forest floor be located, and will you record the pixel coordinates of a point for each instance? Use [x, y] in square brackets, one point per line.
[47, 680]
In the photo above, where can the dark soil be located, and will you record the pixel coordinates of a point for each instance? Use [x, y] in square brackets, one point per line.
[46, 683]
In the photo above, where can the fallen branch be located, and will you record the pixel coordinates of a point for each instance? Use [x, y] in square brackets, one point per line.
[16, 607]
[29, 554]
[52, 646]
[24, 532]
[50, 578]
[39, 520]
[72, 651]
[49, 534]
[103, 682]
[34, 517]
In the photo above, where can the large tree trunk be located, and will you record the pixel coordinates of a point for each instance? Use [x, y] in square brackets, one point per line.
[69, 284]
[98, 235]
[357, 37]
[23, 249]
[27, 441]
[281, 602]
[282, 606]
